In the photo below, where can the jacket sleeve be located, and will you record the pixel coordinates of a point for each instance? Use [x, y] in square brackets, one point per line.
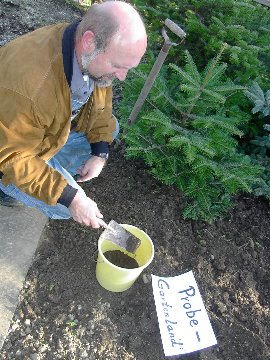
[21, 138]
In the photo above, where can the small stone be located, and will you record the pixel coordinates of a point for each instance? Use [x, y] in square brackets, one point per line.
[18, 353]
[37, 344]
[27, 322]
[84, 354]
[43, 348]
[20, 314]
[28, 330]
[60, 319]
[71, 317]
[90, 325]
[146, 278]
[233, 297]
[14, 326]
[26, 285]
[30, 312]
[251, 243]
[221, 307]
[226, 297]
[34, 356]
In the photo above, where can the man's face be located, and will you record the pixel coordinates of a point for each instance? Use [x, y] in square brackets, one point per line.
[100, 80]
[113, 62]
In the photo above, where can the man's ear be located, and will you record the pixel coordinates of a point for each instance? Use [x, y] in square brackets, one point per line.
[88, 42]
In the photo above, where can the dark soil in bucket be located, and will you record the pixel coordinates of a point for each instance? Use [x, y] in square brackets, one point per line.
[121, 259]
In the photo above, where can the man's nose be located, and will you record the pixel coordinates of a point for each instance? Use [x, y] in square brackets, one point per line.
[121, 74]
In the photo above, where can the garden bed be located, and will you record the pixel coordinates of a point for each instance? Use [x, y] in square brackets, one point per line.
[65, 314]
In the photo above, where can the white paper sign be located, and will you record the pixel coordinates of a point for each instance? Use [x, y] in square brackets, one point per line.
[183, 320]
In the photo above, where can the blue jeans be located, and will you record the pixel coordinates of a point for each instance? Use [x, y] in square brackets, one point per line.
[71, 156]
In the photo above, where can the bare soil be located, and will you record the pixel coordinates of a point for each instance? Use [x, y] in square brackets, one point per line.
[63, 313]
[120, 259]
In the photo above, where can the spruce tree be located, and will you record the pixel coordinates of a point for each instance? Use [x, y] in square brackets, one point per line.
[259, 147]
[187, 133]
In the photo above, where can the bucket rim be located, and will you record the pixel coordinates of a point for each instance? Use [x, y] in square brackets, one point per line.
[126, 226]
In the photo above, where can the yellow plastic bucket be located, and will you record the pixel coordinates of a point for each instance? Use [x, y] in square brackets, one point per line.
[115, 278]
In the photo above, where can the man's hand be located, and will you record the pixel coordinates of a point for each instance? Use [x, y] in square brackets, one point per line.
[91, 169]
[85, 211]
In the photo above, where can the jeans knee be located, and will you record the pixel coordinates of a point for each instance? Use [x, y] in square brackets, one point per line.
[117, 128]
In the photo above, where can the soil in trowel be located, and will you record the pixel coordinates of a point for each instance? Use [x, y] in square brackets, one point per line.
[120, 259]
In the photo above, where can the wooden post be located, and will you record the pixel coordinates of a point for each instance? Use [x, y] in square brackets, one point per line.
[263, 2]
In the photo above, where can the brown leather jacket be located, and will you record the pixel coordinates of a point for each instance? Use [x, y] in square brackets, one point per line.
[35, 111]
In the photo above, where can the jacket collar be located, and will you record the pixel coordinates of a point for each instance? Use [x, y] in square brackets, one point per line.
[68, 42]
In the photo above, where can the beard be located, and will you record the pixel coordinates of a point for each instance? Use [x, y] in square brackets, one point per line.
[101, 81]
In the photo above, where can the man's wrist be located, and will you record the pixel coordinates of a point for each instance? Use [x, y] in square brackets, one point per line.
[102, 155]
[67, 195]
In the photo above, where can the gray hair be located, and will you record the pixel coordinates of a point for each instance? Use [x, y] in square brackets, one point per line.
[101, 23]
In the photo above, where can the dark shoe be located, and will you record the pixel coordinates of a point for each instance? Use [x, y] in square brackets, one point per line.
[6, 200]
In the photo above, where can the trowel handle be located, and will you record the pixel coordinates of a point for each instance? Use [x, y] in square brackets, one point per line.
[105, 225]
[102, 223]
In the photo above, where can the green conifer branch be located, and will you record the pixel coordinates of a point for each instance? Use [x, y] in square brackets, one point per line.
[194, 149]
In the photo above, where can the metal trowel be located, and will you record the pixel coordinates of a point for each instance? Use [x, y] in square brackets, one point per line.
[115, 233]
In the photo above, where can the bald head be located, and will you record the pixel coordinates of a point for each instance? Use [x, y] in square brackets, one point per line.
[110, 40]
[114, 21]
